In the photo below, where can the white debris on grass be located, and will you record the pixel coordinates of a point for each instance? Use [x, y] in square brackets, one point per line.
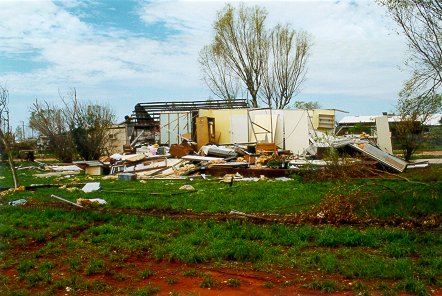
[90, 187]
[187, 187]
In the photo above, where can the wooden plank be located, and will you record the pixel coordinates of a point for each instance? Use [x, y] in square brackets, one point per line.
[200, 158]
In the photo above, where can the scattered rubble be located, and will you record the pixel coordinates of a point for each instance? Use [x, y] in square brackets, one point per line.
[18, 202]
[86, 202]
[90, 187]
[187, 187]
[66, 201]
[196, 142]
[249, 161]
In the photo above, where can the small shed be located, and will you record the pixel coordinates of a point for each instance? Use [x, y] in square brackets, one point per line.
[93, 167]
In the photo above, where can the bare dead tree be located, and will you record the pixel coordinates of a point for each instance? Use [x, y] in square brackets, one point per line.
[76, 127]
[269, 66]
[217, 76]
[241, 43]
[51, 123]
[88, 124]
[421, 23]
[5, 136]
[287, 66]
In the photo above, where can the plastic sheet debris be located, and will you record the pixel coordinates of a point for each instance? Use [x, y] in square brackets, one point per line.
[18, 202]
[90, 187]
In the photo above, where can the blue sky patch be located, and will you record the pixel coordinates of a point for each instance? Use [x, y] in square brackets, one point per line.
[119, 15]
[21, 63]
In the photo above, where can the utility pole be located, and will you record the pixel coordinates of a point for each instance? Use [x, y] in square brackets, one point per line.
[23, 129]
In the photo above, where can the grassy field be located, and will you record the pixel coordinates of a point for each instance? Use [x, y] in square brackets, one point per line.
[378, 236]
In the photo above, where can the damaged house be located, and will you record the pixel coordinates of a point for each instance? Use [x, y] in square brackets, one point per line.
[221, 137]
[224, 123]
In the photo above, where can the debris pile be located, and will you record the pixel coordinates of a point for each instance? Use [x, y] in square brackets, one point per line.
[241, 161]
[180, 139]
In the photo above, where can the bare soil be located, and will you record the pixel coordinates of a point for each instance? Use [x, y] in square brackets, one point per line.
[170, 277]
[187, 279]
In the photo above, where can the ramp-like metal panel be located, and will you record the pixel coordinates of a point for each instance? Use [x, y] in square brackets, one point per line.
[383, 157]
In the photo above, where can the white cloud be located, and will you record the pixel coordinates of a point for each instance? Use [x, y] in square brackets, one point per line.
[354, 51]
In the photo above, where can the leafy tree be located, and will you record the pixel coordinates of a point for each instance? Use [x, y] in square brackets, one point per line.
[5, 136]
[414, 113]
[267, 66]
[310, 105]
[19, 133]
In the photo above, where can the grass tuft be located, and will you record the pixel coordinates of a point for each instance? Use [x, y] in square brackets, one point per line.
[95, 266]
[233, 282]
[268, 285]
[145, 274]
[208, 282]
[146, 291]
[414, 286]
[325, 286]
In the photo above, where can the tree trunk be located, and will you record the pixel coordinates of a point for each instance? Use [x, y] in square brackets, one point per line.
[10, 159]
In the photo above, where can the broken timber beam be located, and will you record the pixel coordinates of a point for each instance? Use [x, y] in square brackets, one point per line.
[65, 200]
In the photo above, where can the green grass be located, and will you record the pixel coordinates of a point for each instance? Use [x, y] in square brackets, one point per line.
[95, 266]
[146, 291]
[208, 282]
[325, 286]
[92, 241]
[268, 285]
[145, 274]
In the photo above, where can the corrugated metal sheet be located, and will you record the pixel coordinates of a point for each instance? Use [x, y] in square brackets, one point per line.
[383, 157]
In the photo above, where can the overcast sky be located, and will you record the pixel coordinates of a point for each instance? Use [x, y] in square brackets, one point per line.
[122, 52]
